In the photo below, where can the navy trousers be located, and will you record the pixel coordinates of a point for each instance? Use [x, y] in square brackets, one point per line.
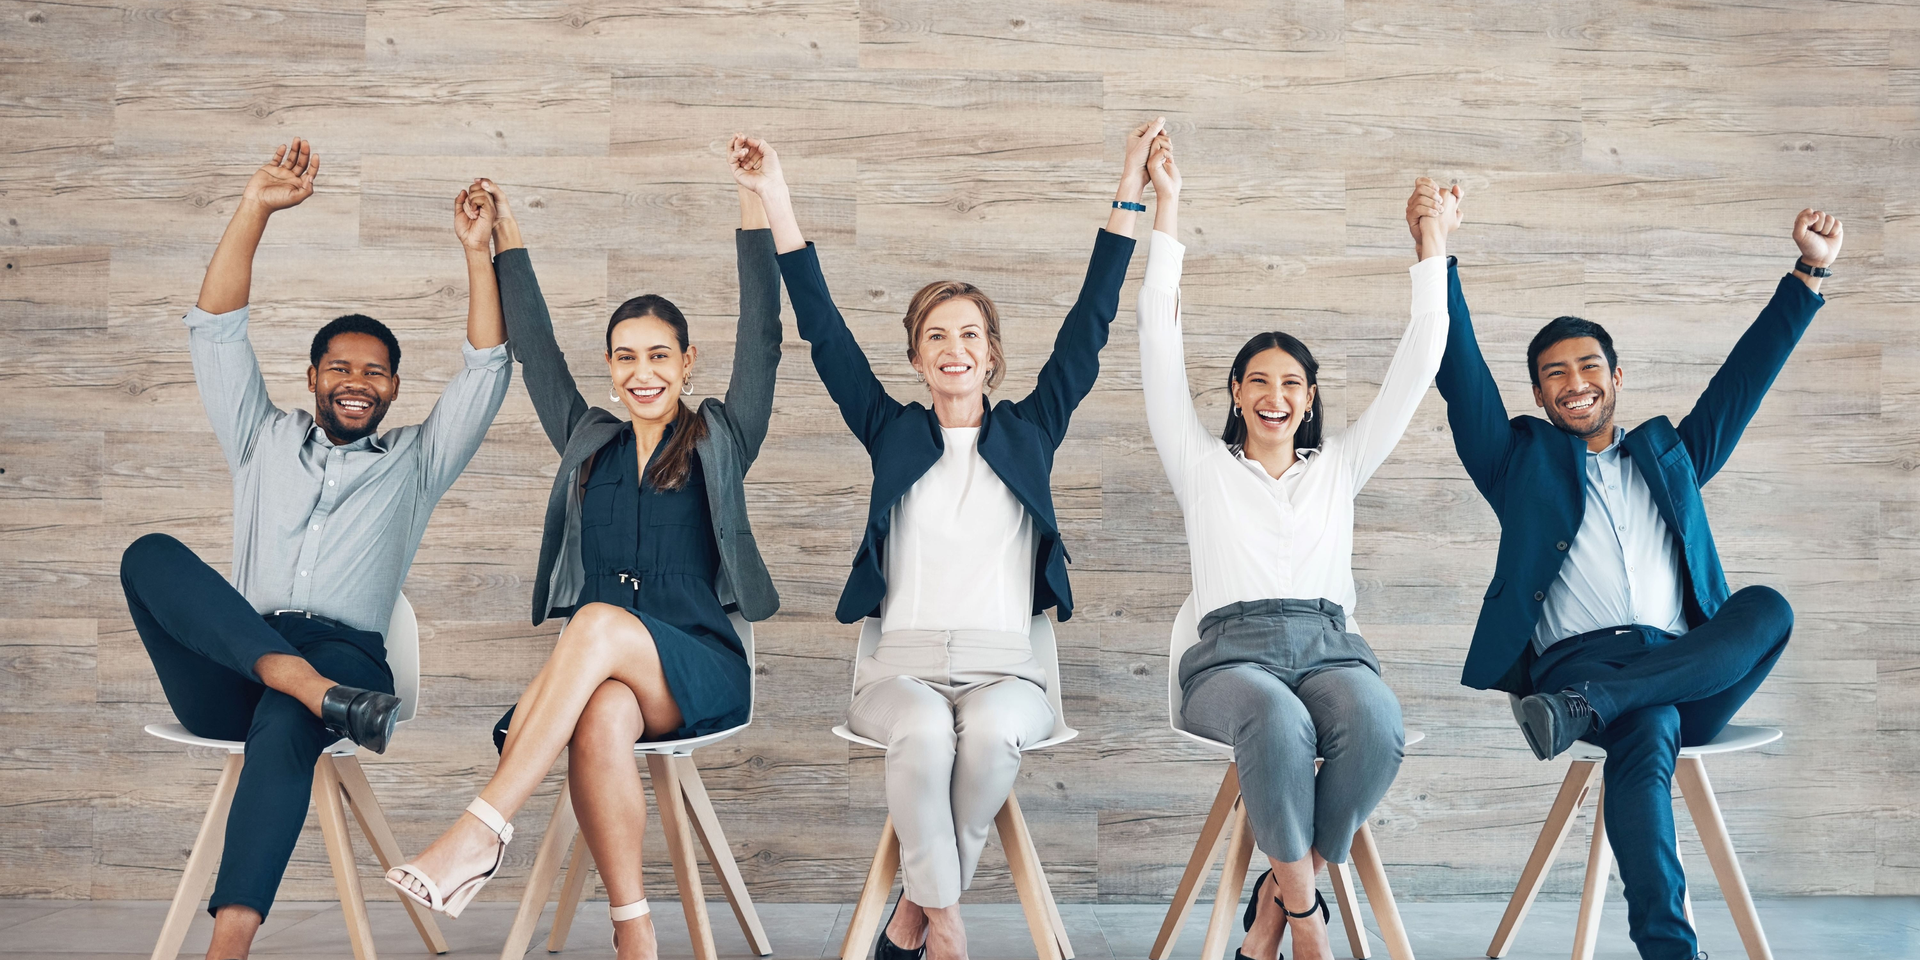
[204, 638]
[1655, 693]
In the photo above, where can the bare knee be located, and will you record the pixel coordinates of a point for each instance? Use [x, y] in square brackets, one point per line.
[611, 720]
[599, 630]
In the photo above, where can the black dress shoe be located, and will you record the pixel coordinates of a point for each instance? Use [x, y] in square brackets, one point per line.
[886, 949]
[1553, 721]
[364, 716]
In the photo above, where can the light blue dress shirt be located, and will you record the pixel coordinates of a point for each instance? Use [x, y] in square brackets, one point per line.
[323, 528]
[1623, 567]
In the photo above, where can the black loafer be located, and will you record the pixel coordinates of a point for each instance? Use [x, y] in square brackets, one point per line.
[364, 716]
[1553, 721]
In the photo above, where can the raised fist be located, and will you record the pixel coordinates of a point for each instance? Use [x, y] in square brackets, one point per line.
[285, 180]
[473, 217]
[754, 164]
[1819, 236]
[1432, 212]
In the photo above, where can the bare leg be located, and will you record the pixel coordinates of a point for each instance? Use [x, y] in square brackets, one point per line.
[908, 928]
[234, 927]
[946, 936]
[607, 801]
[1294, 884]
[295, 677]
[600, 643]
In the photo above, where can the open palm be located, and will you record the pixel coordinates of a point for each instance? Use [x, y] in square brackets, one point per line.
[285, 180]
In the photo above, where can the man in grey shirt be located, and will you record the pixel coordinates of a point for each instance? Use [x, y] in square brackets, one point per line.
[327, 515]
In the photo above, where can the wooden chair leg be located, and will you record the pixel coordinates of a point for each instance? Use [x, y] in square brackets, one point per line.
[707, 826]
[561, 829]
[1045, 887]
[1593, 894]
[329, 803]
[1028, 879]
[1347, 902]
[1233, 878]
[667, 797]
[1705, 809]
[1573, 792]
[579, 879]
[208, 844]
[1205, 850]
[1386, 912]
[865, 921]
[373, 824]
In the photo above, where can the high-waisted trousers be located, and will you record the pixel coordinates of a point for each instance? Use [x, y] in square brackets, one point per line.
[955, 708]
[204, 638]
[1284, 683]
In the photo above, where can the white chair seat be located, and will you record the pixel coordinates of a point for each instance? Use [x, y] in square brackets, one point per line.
[1731, 740]
[179, 734]
[682, 748]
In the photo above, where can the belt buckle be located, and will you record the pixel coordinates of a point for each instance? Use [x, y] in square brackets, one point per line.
[295, 613]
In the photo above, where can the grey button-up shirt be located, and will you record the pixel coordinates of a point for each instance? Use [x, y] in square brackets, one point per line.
[1623, 566]
[324, 528]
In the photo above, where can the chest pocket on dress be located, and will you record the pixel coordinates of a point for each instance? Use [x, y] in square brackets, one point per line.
[601, 500]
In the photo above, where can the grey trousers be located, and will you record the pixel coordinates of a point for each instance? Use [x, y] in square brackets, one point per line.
[953, 749]
[1283, 683]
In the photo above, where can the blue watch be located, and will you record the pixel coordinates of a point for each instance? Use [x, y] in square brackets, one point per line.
[1129, 205]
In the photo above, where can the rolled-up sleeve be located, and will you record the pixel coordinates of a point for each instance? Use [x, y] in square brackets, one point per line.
[453, 431]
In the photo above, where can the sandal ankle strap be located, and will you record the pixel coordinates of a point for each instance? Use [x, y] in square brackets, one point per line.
[629, 911]
[1319, 904]
[485, 813]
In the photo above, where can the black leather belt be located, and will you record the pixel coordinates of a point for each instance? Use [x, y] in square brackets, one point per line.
[328, 621]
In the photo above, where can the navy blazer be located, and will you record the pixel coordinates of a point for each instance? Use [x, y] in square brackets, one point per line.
[1017, 438]
[1532, 473]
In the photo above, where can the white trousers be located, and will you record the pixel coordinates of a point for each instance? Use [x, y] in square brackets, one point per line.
[953, 749]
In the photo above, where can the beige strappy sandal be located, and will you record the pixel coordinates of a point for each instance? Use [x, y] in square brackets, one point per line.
[453, 901]
[627, 911]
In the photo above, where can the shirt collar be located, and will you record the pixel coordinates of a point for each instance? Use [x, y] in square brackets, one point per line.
[1299, 456]
[372, 441]
[1619, 434]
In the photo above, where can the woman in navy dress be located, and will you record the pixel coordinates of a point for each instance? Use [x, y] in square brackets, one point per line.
[646, 550]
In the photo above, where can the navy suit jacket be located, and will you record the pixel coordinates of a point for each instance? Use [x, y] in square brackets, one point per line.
[1532, 473]
[1017, 438]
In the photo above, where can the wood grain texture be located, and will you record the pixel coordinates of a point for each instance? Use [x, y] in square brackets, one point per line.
[1637, 163]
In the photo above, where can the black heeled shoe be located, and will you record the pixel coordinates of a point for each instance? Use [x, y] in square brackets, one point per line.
[1253, 913]
[1319, 903]
[886, 949]
[364, 716]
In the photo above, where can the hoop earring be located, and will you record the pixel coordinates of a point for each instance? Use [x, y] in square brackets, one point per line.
[613, 393]
[686, 386]
[1308, 418]
[1236, 409]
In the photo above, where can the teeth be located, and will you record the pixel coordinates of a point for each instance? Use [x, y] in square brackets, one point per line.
[955, 368]
[1272, 417]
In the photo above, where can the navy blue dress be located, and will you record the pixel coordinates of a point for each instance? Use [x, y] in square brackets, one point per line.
[651, 551]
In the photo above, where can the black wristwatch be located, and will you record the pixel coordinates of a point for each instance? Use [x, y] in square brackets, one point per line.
[1810, 270]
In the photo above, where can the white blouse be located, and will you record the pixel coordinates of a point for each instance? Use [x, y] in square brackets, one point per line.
[960, 552]
[1251, 536]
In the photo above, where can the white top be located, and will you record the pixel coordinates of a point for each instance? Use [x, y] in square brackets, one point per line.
[1250, 536]
[1623, 566]
[960, 554]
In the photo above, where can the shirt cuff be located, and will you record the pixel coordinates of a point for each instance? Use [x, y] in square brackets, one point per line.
[220, 327]
[1164, 257]
[491, 358]
[1429, 282]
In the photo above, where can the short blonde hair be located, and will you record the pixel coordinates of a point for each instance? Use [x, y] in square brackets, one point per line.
[939, 292]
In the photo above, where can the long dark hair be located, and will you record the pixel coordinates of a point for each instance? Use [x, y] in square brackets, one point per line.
[1306, 436]
[670, 467]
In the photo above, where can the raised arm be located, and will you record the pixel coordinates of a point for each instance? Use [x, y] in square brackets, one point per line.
[453, 431]
[863, 401]
[1177, 431]
[1365, 445]
[224, 364]
[556, 398]
[1482, 436]
[756, 342]
[1720, 416]
[1073, 366]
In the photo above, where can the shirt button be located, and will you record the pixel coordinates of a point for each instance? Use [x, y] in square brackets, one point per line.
[1537, 594]
[314, 527]
[1562, 545]
[303, 573]
[329, 483]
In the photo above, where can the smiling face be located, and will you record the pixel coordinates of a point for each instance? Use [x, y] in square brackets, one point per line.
[648, 367]
[1273, 396]
[1576, 387]
[952, 349]
[353, 385]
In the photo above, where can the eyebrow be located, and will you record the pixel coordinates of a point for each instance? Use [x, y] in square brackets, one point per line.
[657, 346]
[1562, 363]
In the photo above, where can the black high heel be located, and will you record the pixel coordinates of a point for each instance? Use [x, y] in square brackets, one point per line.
[1319, 903]
[886, 949]
[1253, 913]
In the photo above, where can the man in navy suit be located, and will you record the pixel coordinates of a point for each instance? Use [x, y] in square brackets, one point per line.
[1608, 610]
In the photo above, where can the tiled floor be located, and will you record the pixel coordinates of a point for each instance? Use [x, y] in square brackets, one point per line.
[1883, 928]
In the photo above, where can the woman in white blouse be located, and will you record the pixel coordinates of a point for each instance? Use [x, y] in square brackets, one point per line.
[962, 547]
[1280, 671]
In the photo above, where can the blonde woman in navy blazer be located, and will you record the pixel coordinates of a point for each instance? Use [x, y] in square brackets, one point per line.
[961, 546]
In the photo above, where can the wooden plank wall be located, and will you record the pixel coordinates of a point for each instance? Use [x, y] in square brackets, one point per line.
[1635, 162]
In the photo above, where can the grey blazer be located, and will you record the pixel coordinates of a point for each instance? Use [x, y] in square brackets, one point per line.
[735, 429]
